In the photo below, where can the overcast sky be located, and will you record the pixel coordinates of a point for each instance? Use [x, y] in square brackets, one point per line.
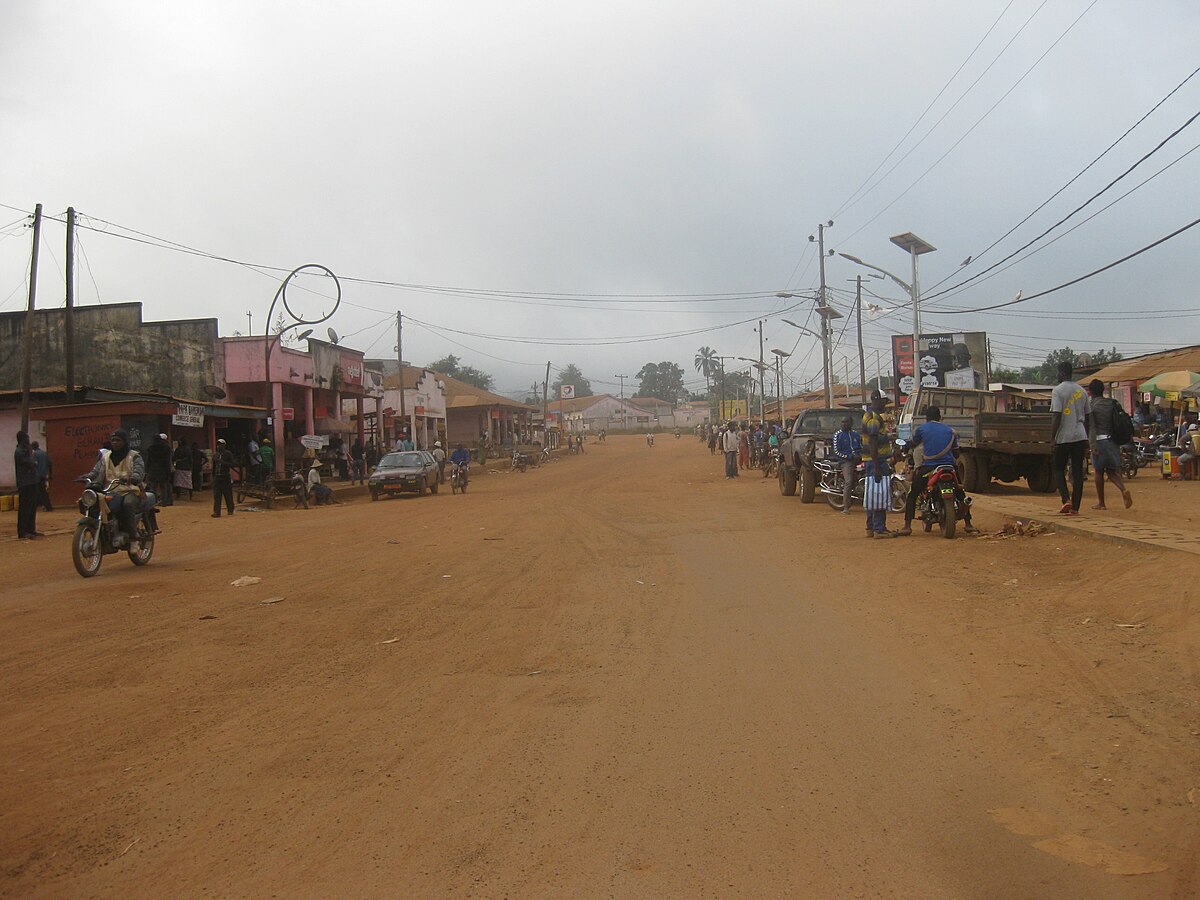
[563, 151]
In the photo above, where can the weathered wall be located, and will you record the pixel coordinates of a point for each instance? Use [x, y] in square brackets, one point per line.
[115, 349]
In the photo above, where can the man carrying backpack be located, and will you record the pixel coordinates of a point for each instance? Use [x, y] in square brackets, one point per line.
[1109, 428]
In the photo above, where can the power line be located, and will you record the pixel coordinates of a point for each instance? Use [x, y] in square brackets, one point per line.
[1067, 284]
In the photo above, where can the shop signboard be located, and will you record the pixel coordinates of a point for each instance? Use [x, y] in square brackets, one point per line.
[288, 413]
[314, 441]
[188, 415]
[957, 360]
[730, 409]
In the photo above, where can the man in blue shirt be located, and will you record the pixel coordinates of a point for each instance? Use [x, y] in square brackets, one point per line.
[941, 448]
[847, 447]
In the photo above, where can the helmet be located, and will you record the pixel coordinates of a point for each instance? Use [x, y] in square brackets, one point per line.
[437, 443]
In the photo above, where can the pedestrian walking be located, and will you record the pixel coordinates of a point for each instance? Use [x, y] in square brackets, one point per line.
[1106, 451]
[729, 446]
[1069, 411]
[254, 461]
[358, 461]
[27, 488]
[222, 486]
[45, 469]
[743, 436]
[712, 441]
[878, 470]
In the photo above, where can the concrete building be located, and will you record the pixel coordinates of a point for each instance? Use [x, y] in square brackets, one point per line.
[115, 349]
[424, 407]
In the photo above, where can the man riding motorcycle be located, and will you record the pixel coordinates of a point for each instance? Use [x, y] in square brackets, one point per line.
[941, 448]
[126, 467]
[460, 456]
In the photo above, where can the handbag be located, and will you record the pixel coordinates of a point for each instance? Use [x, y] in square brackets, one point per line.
[877, 494]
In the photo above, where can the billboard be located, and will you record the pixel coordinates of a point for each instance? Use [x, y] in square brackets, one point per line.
[733, 409]
[942, 360]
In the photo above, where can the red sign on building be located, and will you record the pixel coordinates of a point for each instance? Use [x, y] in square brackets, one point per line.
[288, 414]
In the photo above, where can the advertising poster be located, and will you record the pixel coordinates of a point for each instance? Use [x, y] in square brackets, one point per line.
[943, 360]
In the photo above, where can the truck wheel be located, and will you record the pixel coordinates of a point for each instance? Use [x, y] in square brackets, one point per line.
[787, 480]
[1041, 478]
[974, 472]
[808, 484]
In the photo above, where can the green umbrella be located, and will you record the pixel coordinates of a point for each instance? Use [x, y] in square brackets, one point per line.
[1169, 383]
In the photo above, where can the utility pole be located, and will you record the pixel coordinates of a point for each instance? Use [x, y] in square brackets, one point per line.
[546, 405]
[762, 395]
[624, 416]
[27, 362]
[400, 366]
[249, 314]
[826, 330]
[69, 312]
[862, 358]
[846, 375]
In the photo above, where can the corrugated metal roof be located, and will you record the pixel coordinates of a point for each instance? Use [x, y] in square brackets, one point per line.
[1143, 368]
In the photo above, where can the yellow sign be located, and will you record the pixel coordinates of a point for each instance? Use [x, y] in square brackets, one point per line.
[733, 409]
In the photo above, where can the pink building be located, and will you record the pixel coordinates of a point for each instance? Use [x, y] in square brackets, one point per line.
[307, 388]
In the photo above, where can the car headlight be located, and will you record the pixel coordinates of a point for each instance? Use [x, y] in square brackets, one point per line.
[89, 499]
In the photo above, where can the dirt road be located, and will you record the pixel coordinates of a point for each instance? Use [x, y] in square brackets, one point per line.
[619, 675]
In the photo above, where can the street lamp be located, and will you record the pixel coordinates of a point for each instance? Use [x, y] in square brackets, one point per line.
[762, 398]
[297, 322]
[780, 356]
[915, 247]
[828, 314]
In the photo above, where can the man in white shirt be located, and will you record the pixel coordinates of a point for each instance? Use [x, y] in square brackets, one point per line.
[729, 445]
[1070, 413]
[439, 456]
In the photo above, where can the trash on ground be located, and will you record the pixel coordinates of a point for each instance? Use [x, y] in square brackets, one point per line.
[246, 580]
[271, 600]
[393, 541]
[1022, 529]
[390, 641]
[534, 672]
[1133, 625]
[1011, 581]
[205, 618]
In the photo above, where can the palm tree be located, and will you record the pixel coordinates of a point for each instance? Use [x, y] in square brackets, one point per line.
[706, 364]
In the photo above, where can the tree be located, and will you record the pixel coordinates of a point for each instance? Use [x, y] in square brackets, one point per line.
[1046, 372]
[449, 365]
[1006, 376]
[706, 364]
[571, 375]
[663, 380]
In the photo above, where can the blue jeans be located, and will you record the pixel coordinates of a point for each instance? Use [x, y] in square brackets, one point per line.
[877, 518]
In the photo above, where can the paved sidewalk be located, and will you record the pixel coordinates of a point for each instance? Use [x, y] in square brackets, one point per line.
[1094, 525]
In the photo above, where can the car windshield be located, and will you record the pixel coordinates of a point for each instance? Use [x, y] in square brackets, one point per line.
[401, 460]
[825, 421]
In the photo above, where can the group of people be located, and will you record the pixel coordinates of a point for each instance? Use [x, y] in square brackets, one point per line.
[744, 447]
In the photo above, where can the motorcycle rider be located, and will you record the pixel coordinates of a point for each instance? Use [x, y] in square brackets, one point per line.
[941, 448]
[460, 458]
[126, 467]
[847, 447]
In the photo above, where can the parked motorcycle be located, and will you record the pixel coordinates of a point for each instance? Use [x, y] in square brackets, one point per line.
[831, 482]
[771, 464]
[459, 475]
[98, 534]
[519, 461]
[1129, 461]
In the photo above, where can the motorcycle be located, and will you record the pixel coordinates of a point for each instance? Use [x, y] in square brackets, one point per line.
[98, 534]
[939, 502]
[519, 461]
[831, 482]
[771, 464]
[1129, 461]
[459, 475]
[1149, 450]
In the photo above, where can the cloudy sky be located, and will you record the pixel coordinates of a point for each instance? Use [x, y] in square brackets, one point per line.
[609, 183]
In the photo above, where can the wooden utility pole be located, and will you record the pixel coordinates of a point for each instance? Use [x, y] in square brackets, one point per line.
[862, 358]
[27, 361]
[69, 313]
[400, 365]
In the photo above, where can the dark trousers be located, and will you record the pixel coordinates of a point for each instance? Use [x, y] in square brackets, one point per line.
[731, 469]
[44, 496]
[27, 503]
[222, 488]
[1073, 452]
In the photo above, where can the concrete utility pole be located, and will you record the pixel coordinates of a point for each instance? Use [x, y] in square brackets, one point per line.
[546, 404]
[862, 358]
[400, 366]
[27, 361]
[826, 331]
[762, 395]
[69, 312]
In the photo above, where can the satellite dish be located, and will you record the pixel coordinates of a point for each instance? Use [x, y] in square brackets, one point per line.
[305, 333]
[333, 335]
[214, 392]
[1085, 359]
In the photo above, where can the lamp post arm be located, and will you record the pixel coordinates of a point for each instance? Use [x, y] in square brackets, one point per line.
[866, 265]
